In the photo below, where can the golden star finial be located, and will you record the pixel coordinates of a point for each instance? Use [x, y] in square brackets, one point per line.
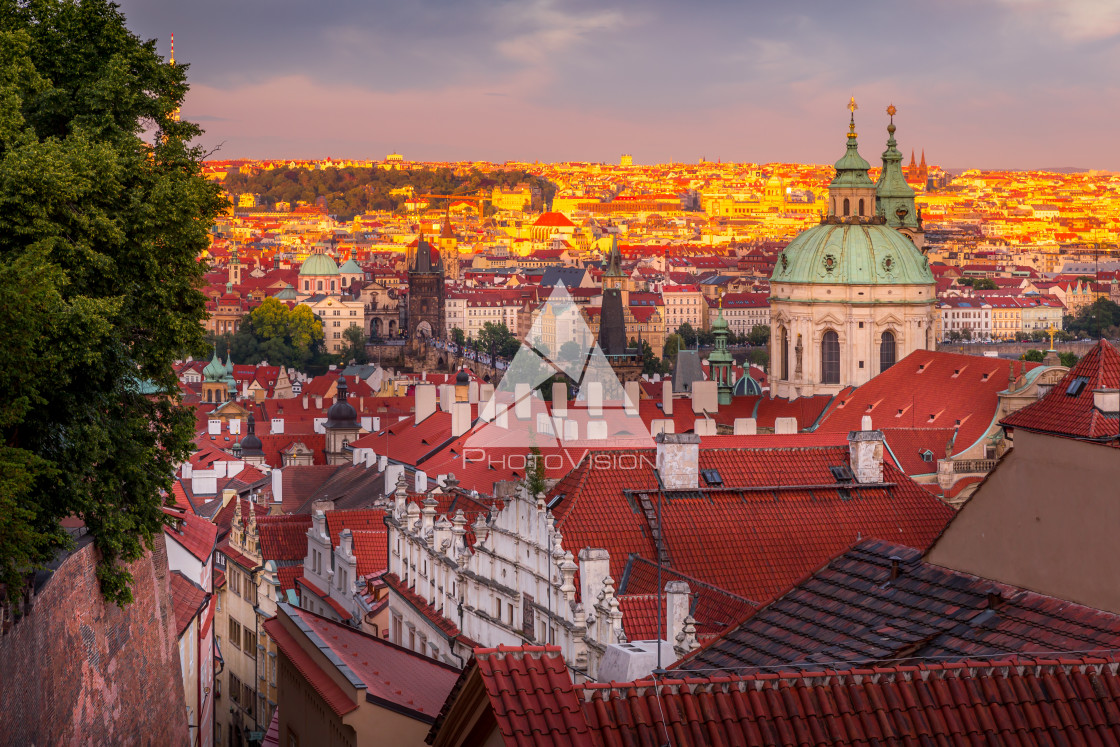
[891, 111]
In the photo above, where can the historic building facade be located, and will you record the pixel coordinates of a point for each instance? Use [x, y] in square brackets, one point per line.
[853, 295]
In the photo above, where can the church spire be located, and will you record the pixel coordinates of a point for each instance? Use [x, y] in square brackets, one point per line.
[894, 197]
[851, 192]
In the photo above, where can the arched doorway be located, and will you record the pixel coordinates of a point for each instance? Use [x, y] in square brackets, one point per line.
[424, 329]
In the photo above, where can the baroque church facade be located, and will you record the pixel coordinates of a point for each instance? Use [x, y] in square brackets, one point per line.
[854, 295]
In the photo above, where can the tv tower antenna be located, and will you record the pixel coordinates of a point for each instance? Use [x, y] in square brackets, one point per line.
[172, 48]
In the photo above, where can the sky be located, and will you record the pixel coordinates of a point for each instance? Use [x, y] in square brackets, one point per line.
[977, 83]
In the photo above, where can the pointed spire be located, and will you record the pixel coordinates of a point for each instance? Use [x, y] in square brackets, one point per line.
[172, 60]
[923, 164]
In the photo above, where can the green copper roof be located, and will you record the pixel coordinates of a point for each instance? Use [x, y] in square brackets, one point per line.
[287, 293]
[852, 254]
[851, 170]
[214, 370]
[896, 198]
[319, 264]
[351, 267]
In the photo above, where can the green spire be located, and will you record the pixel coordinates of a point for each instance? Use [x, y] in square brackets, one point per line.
[895, 197]
[214, 371]
[851, 170]
[614, 260]
[720, 360]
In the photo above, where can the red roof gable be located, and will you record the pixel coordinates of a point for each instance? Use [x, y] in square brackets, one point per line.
[1064, 413]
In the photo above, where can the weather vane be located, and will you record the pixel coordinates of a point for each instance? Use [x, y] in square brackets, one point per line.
[852, 106]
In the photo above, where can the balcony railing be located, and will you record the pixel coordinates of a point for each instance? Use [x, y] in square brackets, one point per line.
[974, 465]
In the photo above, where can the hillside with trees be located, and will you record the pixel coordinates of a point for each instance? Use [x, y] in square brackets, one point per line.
[354, 191]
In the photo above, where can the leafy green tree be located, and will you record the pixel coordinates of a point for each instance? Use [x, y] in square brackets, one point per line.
[759, 335]
[673, 344]
[1032, 356]
[1069, 360]
[570, 352]
[355, 349]
[458, 336]
[535, 481]
[687, 335]
[498, 338]
[103, 213]
[1100, 318]
[984, 284]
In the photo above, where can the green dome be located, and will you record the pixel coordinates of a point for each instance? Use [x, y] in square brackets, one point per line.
[837, 253]
[351, 268]
[319, 264]
[287, 293]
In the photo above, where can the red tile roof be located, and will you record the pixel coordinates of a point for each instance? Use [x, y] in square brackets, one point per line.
[852, 612]
[371, 550]
[284, 537]
[333, 695]
[933, 390]
[323, 596]
[1063, 414]
[195, 534]
[1028, 702]
[365, 518]
[532, 696]
[188, 600]
[753, 542]
[392, 674]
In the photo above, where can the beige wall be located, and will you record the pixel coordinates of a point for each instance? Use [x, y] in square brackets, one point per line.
[1046, 519]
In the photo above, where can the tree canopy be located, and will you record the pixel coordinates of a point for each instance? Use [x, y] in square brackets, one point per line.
[353, 191]
[278, 334]
[103, 214]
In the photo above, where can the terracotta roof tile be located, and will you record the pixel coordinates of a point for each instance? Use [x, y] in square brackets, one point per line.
[284, 537]
[1065, 414]
[188, 599]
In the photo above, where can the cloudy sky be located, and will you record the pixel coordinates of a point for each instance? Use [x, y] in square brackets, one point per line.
[977, 83]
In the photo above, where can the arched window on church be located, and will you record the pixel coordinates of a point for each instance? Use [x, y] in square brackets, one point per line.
[307, 285]
[847, 207]
[332, 286]
[830, 358]
[886, 351]
[319, 284]
[861, 207]
[785, 353]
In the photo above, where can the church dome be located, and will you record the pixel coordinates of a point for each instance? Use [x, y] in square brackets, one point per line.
[858, 253]
[319, 264]
[462, 378]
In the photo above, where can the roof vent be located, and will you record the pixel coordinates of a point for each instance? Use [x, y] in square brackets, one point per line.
[896, 567]
[995, 600]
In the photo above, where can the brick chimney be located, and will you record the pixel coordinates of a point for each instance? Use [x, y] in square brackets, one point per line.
[1107, 401]
[865, 449]
[678, 460]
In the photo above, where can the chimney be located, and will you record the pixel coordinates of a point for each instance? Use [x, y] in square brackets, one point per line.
[522, 405]
[676, 609]
[784, 426]
[421, 481]
[425, 401]
[746, 427]
[1107, 401]
[318, 402]
[594, 567]
[865, 449]
[276, 508]
[305, 401]
[446, 397]
[460, 418]
[559, 399]
[678, 460]
[667, 397]
[633, 395]
[705, 397]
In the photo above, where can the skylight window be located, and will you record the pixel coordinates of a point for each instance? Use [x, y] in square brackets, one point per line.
[842, 473]
[1077, 386]
[712, 476]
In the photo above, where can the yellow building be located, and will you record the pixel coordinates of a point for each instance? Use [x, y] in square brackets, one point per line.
[1007, 317]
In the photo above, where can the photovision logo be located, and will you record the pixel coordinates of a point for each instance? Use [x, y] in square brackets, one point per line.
[558, 396]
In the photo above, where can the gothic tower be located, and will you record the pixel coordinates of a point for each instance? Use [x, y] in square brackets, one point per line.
[426, 313]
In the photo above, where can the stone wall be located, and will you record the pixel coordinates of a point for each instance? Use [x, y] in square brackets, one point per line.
[76, 669]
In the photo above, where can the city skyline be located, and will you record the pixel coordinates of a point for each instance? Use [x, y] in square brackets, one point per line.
[999, 85]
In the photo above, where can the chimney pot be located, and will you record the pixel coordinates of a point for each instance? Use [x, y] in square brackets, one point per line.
[896, 568]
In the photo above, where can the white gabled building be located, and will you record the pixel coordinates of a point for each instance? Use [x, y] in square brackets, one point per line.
[514, 585]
